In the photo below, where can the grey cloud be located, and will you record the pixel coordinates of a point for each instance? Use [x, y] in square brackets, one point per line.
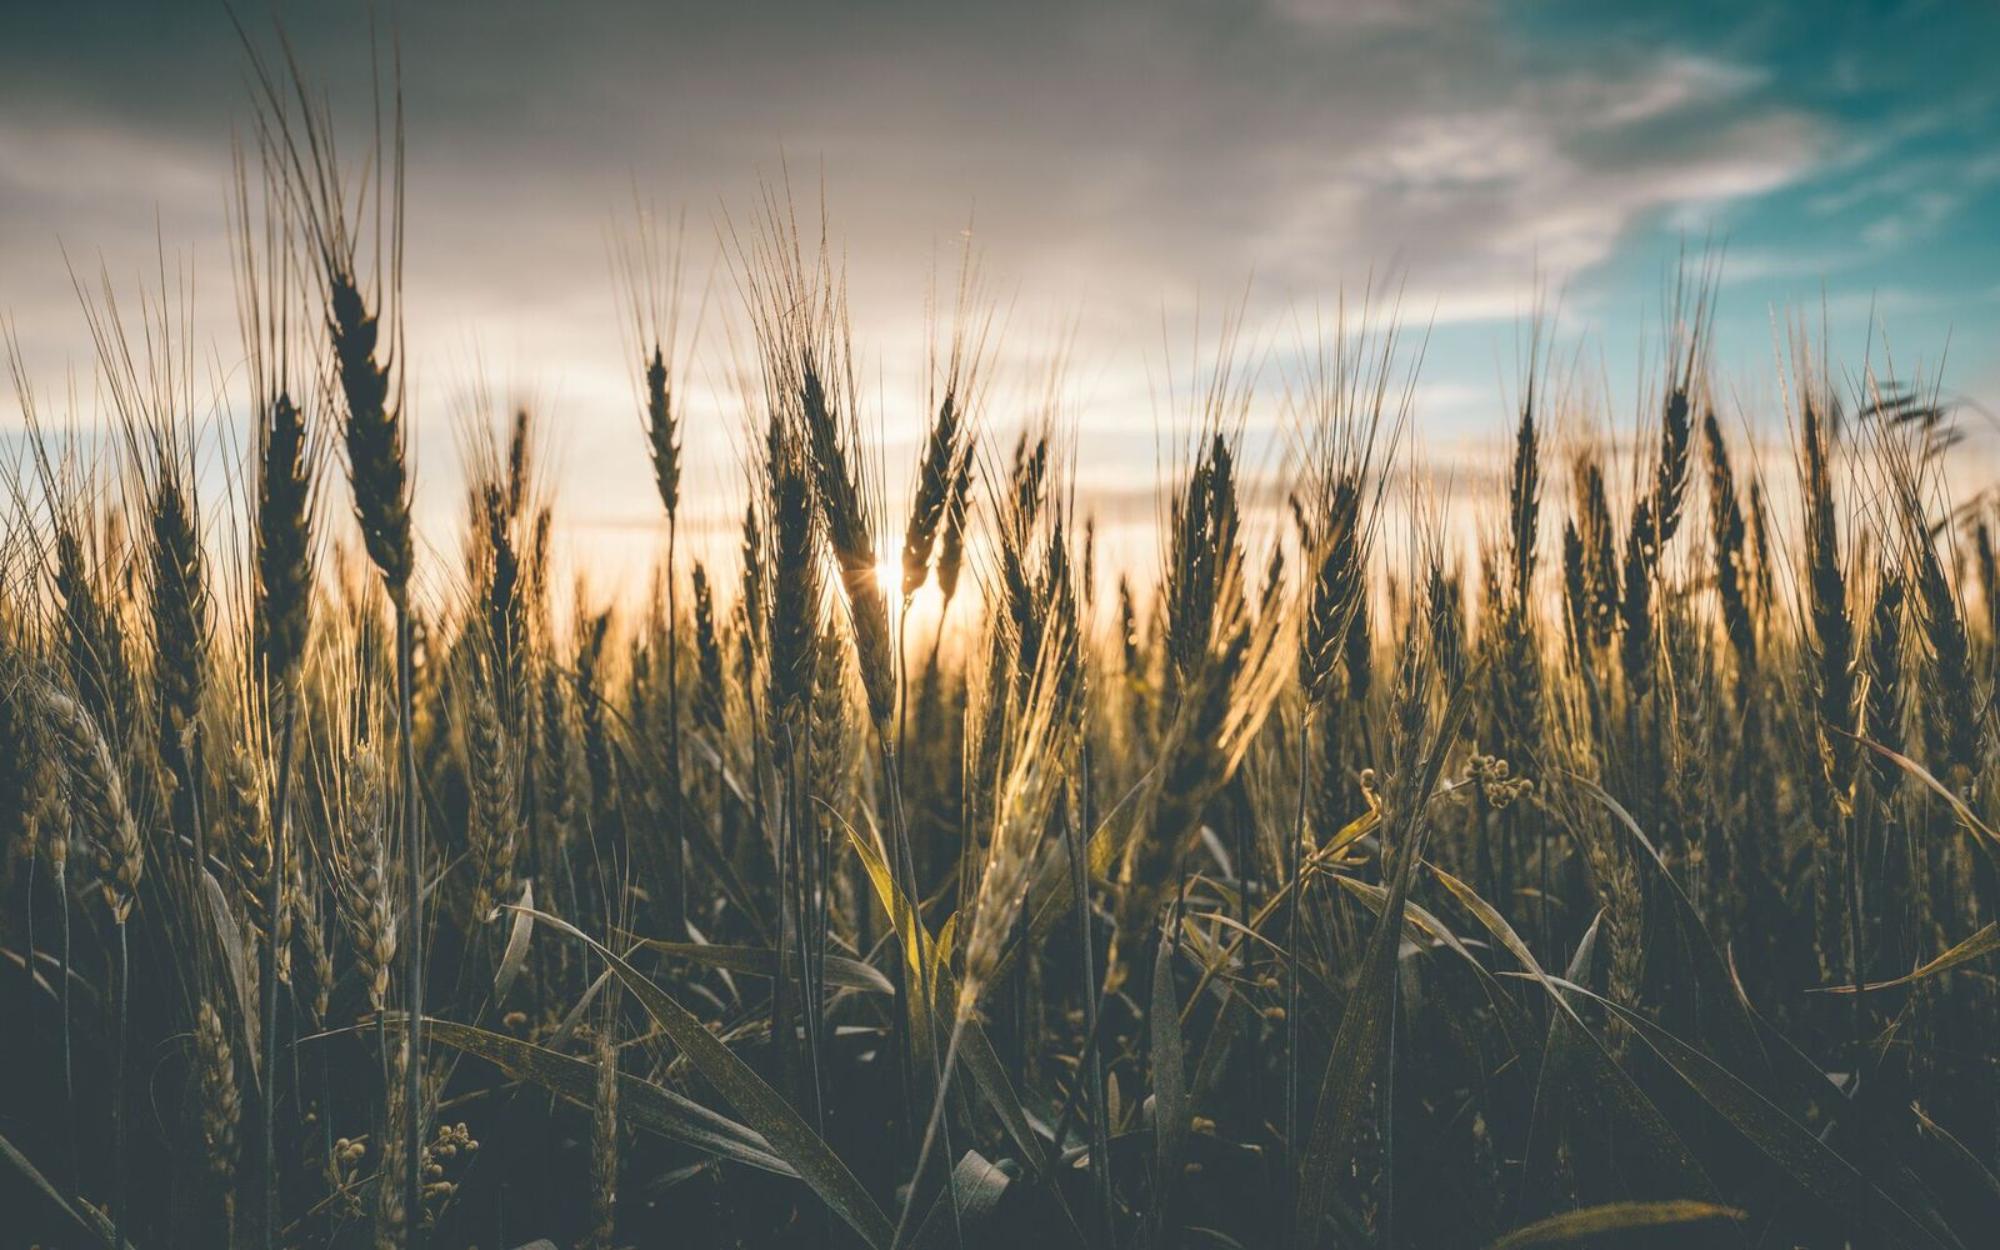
[1115, 157]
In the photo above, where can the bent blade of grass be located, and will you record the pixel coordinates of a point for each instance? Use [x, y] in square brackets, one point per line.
[87, 1218]
[762, 1107]
[1958, 1157]
[516, 953]
[641, 1102]
[1980, 944]
[915, 947]
[1348, 834]
[1984, 833]
[1223, 920]
[1614, 1217]
[1816, 1167]
[979, 1186]
[1597, 1074]
[567, 1029]
[1419, 923]
[1485, 913]
[761, 961]
[903, 917]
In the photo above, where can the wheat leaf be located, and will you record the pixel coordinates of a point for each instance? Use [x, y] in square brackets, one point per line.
[1980, 944]
[762, 1107]
[1614, 1217]
[641, 1102]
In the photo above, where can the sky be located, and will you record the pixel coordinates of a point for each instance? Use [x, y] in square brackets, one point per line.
[1129, 175]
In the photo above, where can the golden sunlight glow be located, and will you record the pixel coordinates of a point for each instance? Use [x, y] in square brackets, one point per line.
[889, 573]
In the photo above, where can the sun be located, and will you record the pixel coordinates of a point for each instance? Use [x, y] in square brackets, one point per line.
[889, 575]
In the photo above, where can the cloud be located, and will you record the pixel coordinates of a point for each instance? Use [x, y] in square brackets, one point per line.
[75, 161]
[1123, 164]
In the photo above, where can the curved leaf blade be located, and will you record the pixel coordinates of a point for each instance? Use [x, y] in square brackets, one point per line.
[1979, 945]
[642, 1102]
[761, 1107]
[1614, 1217]
[761, 961]
[1816, 1167]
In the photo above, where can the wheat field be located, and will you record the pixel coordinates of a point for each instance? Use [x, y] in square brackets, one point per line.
[1607, 861]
